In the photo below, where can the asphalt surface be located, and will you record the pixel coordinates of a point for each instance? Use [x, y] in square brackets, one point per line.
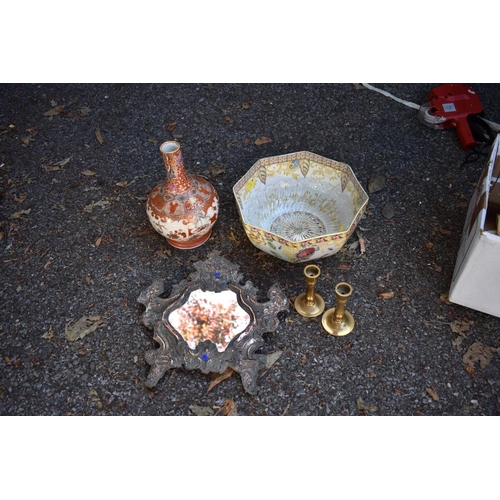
[77, 163]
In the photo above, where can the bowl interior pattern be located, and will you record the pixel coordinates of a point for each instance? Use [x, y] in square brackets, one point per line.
[299, 206]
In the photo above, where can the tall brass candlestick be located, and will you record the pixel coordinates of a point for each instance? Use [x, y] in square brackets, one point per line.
[337, 321]
[309, 303]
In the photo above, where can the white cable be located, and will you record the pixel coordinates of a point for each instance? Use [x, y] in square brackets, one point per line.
[387, 94]
[494, 126]
[425, 115]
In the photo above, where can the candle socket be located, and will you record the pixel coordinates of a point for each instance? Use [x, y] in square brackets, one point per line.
[337, 321]
[310, 304]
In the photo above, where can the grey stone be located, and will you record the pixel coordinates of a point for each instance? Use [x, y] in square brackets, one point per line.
[388, 210]
[376, 183]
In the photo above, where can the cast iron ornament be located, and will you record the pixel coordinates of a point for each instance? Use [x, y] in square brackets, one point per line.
[204, 345]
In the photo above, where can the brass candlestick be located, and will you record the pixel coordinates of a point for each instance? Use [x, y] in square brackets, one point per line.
[309, 303]
[337, 321]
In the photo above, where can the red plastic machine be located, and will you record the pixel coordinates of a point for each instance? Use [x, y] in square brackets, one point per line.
[455, 105]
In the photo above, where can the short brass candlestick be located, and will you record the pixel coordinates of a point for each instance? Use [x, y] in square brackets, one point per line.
[309, 303]
[337, 321]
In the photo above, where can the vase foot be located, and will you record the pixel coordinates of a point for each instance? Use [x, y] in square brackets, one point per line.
[186, 245]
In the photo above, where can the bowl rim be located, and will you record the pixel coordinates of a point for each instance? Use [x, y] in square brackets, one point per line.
[338, 234]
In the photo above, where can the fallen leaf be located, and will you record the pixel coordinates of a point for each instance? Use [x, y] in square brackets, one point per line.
[98, 242]
[228, 119]
[26, 140]
[286, 409]
[385, 295]
[233, 238]
[353, 245]
[17, 215]
[218, 378]
[479, 353]
[444, 298]
[50, 334]
[201, 411]
[84, 111]
[98, 136]
[63, 162]
[54, 111]
[100, 203]
[457, 342]
[460, 326]
[169, 127]
[262, 140]
[89, 172]
[20, 198]
[429, 245]
[446, 232]
[436, 268]
[53, 167]
[362, 244]
[432, 393]
[215, 171]
[164, 254]
[83, 327]
[230, 408]
[364, 406]
[146, 232]
[94, 398]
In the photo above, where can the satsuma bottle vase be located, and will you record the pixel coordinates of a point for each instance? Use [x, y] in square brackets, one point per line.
[183, 208]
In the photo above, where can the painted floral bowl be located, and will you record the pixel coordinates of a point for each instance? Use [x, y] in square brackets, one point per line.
[299, 206]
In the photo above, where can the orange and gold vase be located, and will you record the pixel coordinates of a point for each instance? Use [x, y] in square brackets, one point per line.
[183, 208]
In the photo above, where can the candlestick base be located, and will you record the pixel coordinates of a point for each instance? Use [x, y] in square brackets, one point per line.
[309, 311]
[335, 328]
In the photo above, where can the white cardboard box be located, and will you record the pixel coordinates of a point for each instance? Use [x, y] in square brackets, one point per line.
[476, 278]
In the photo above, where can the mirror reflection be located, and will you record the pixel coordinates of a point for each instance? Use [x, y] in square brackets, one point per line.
[214, 316]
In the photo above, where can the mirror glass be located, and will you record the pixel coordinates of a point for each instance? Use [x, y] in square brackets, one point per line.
[214, 316]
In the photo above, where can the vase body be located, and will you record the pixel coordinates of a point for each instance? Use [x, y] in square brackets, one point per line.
[183, 208]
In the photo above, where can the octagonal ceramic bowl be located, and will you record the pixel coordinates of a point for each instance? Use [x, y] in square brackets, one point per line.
[299, 206]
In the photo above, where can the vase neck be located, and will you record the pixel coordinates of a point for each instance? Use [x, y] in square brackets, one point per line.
[177, 177]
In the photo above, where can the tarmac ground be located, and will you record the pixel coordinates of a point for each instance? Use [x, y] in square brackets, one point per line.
[77, 163]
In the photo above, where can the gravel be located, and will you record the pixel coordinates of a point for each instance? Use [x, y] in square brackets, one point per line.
[75, 241]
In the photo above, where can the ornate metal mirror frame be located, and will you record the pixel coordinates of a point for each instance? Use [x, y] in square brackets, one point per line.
[210, 322]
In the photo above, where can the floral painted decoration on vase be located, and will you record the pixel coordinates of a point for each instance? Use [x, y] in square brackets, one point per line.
[183, 208]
